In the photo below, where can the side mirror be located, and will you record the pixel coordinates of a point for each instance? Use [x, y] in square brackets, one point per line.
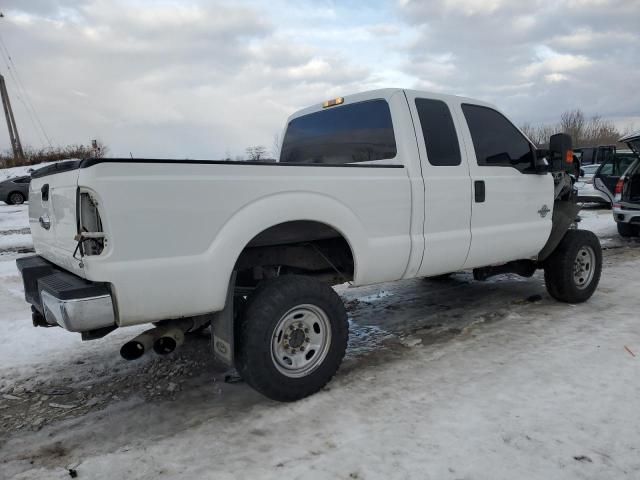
[560, 149]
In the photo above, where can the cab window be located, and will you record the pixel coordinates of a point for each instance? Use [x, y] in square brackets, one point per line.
[440, 138]
[496, 141]
[357, 132]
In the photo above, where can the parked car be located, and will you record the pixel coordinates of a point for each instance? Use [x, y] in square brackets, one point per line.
[626, 205]
[584, 185]
[594, 155]
[375, 187]
[608, 173]
[15, 191]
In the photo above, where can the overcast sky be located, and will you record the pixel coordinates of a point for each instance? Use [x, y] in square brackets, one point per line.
[205, 79]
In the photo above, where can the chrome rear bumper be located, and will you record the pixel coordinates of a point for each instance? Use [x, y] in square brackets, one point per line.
[64, 299]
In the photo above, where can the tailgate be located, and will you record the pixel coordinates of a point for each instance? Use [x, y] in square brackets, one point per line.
[52, 217]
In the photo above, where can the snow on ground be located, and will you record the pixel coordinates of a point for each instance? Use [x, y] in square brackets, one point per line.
[13, 217]
[444, 379]
[11, 242]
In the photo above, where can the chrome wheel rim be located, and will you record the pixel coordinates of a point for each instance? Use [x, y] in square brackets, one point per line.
[16, 199]
[583, 267]
[301, 340]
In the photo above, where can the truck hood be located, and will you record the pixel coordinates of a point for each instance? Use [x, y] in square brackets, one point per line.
[633, 140]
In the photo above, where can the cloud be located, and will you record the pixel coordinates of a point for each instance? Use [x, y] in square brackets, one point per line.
[201, 79]
[534, 59]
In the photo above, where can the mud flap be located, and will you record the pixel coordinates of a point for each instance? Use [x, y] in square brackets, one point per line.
[564, 215]
[222, 328]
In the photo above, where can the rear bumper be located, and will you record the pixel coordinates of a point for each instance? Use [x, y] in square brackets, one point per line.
[64, 299]
[626, 213]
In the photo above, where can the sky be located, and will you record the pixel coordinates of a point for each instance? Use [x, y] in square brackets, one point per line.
[206, 79]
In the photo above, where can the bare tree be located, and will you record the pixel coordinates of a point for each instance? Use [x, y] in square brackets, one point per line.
[585, 132]
[256, 153]
[572, 122]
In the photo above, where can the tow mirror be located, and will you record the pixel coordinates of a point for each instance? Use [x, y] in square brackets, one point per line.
[561, 153]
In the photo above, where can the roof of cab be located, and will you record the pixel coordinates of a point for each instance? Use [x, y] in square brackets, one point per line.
[386, 93]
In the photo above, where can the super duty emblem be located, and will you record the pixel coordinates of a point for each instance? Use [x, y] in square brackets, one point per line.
[543, 211]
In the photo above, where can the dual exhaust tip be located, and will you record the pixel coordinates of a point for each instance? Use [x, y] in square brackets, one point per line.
[163, 340]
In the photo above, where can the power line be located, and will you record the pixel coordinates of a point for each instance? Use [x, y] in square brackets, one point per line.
[31, 110]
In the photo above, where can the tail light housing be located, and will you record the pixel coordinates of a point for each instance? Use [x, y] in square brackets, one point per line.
[619, 187]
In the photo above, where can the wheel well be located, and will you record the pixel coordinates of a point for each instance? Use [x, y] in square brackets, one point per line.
[300, 247]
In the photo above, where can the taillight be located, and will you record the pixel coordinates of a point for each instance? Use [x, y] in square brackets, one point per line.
[619, 187]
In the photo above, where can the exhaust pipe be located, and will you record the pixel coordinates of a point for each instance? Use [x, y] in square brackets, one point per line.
[169, 340]
[138, 346]
[164, 338]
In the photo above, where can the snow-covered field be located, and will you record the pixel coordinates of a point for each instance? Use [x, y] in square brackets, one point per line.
[450, 379]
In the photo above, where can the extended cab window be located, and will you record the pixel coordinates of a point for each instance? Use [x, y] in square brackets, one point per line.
[439, 132]
[496, 141]
[357, 132]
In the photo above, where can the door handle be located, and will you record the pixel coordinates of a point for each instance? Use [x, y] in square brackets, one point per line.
[479, 191]
[45, 192]
[45, 221]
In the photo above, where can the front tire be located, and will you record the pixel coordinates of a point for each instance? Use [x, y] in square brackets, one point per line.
[292, 337]
[572, 271]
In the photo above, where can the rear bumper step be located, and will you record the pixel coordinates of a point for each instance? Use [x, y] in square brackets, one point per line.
[64, 299]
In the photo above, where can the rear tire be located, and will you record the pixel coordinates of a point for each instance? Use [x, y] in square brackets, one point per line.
[15, 198]
[626, 230]
[292, 337]
[572, 271]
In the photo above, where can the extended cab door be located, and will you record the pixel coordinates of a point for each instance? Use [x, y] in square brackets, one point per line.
[511, 205]
[447, 184]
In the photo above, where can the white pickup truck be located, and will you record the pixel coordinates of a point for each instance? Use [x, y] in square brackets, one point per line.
[375, 187]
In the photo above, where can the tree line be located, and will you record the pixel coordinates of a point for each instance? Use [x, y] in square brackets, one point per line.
[34, 156]
[585, 131]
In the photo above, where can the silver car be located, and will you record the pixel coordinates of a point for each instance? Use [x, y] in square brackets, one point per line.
[626, 192]
[15, 191]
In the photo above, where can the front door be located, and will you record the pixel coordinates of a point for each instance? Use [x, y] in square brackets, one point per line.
[511, 205]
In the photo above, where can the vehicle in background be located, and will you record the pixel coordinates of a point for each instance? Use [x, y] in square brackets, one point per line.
[626, 204]
[608, 173]
[584, 184]
[594, 155]
[15, 191]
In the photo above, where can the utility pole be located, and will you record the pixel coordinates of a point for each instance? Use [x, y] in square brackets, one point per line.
[11, 122]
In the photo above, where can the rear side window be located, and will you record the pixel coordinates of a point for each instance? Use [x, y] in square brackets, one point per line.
[496, 141]
[357, 132]
[439, 133]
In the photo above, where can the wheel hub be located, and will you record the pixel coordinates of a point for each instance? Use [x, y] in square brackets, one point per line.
[583, 267]
[301, 340]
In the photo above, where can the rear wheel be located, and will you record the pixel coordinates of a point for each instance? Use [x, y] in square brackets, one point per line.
[626, 230]
[572, 271]
[15, 198]
[292, 337]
